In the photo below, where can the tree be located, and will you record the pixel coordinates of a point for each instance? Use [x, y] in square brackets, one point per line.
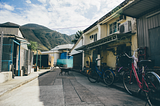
[77, 36]
[33, 45]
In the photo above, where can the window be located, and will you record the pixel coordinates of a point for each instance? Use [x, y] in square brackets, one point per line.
[114, 27]
[110, 30]
[95, 37]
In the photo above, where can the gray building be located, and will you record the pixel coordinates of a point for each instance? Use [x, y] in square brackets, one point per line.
[147, 13]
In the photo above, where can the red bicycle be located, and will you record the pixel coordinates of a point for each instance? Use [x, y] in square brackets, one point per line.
[149, 83]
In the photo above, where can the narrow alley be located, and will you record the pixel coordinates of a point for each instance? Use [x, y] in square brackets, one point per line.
[52, 89]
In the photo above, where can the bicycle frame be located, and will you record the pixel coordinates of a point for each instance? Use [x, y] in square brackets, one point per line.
[140, 84]
[134, 64]
[98, 71]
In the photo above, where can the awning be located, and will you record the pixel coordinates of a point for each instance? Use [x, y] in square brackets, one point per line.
[140, 7]
[22, 40]
[74, 52]
[106, 40]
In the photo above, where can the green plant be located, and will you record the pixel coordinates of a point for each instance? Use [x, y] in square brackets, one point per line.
[77, 36]
[33, 45]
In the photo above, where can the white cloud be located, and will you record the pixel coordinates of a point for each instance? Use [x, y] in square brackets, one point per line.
[42, 1]
[67, 15]
[28, 1]
[6, 6]
[8, 16]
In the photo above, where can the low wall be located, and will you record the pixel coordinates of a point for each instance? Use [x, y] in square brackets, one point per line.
[5, 76]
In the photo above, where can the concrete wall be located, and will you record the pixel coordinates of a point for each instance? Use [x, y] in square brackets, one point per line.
[5, 76]
[56, 56]
[13, 31]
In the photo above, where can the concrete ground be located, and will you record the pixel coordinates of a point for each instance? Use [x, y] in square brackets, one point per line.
[52, 89]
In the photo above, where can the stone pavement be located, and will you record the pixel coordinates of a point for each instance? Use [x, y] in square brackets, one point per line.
[20, 80]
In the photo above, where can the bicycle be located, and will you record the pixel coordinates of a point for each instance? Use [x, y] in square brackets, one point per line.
[94, 74]
[149, 83]
[120, 67]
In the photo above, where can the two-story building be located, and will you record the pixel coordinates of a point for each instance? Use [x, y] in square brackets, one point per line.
[147, 13]
[110, 35]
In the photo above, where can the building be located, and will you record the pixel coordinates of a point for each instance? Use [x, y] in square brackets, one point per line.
[77, 54]
[147, 13]
[61, 55]
[109, 36]
[58, 56]
[16, 58]
[43, 59]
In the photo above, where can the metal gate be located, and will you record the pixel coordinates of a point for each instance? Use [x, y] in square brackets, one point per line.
[154, 39]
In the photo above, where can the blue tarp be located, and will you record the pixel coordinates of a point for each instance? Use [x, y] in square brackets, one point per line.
[65, 56]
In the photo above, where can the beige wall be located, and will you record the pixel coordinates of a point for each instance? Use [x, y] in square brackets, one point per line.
[87, 39]
[103, 30]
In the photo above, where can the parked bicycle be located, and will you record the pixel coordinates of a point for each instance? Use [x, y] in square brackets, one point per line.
[94, 74]
[149, 83]
[121, 67]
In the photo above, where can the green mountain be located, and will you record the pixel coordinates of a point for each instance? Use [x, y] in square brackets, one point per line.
[45, 37]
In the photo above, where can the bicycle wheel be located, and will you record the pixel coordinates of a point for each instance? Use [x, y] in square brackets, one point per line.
[108, 77]
[92, 76]
[153, 82]
[129, 82]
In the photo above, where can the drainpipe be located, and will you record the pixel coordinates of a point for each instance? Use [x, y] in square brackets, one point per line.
[18, 57]
[19, 62]
[40, 62]
[36, 58]
[1, 51]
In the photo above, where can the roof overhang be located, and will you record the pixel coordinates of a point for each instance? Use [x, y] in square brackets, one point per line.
[139, 8]
[22, 40]
[75, 52]
[107, 40]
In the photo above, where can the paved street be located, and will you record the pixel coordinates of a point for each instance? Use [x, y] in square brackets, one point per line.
[51, 89]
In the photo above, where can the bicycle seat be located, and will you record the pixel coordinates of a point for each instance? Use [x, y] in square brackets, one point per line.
[145, 62]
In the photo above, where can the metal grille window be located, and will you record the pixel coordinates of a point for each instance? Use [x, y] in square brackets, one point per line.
[95, 37]
[114, 27]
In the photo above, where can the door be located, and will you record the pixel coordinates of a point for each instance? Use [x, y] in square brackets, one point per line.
[154, 40]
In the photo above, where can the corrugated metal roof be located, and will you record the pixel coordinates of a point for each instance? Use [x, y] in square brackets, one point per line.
[140, 7]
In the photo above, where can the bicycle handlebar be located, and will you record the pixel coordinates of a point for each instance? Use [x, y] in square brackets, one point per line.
[133, 56]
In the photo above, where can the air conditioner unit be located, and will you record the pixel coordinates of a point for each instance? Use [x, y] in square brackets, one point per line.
[125, 27]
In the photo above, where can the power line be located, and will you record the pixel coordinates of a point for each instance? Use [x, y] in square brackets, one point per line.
[72, 27]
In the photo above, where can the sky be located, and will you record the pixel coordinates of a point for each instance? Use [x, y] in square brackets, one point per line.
[64, 16]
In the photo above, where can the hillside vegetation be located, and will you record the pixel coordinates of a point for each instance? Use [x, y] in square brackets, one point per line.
[45, 37]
